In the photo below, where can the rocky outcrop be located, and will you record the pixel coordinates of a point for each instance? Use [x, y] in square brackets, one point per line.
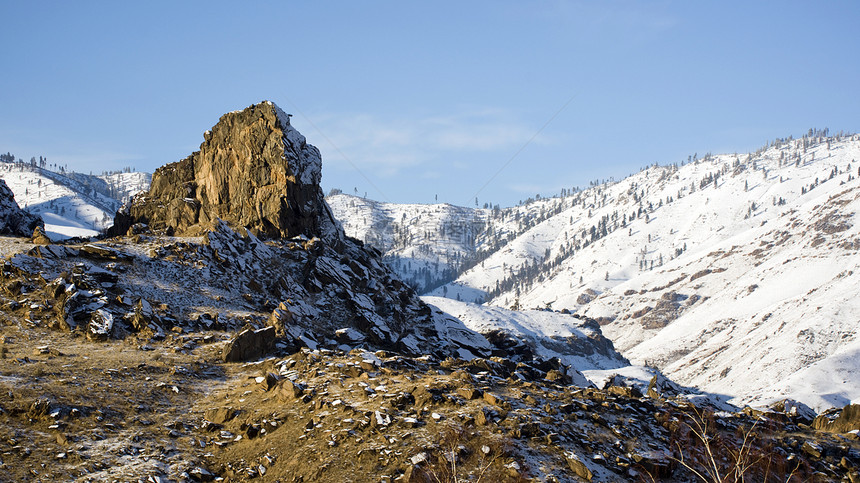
[253, 170]
[842, 420]
[13, 220]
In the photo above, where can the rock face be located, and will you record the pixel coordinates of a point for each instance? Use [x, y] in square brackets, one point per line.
[253, 170]
[839, 421]
[13, 220]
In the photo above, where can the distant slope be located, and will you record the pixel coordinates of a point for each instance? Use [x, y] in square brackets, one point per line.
[71, 204]
[429, 245]
[735, 273]
[426, 245]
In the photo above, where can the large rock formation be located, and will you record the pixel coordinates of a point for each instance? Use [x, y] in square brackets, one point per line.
[253, 170]
[13, 220]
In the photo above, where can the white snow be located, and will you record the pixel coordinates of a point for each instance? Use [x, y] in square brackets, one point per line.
[547, 332]
[67, 202]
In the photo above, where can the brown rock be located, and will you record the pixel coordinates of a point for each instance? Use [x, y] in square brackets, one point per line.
[578, 467]
[491, 398]
[253, 170]
[288, 390]
[469, 393]
[39, 237]
[481, 418]
[848, 420]
[219, 415]
[811, 449]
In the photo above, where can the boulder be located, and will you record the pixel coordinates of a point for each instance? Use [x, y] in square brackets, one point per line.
[288, 390]
[219, 415]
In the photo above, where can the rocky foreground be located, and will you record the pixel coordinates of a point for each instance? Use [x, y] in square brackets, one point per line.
[144, 409]
[97, 385]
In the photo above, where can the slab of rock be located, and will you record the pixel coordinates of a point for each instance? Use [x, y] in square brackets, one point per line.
[249, 344]
[288, 390]
[578, 467]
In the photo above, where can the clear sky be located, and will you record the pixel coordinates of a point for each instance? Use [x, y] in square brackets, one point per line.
[498, 100]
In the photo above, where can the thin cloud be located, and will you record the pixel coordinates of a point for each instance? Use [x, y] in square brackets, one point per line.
[389, 145]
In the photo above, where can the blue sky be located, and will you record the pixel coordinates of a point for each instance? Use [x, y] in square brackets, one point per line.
[451, 99]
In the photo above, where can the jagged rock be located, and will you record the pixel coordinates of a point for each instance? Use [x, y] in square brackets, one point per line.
[811, 449]
[253, 170]
[13, 220]
[469, 393]
[268, 381]
[848, 419]
[249, 344]
[101, 252]
[144, 317]
[39, 237]
[100, 326]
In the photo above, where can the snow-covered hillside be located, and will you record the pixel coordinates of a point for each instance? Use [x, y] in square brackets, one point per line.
[71, 204]
[122, 186]
[427, 245]
[575, 342]
[734, 273]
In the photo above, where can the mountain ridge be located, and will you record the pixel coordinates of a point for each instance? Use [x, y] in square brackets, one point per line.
[587, 256]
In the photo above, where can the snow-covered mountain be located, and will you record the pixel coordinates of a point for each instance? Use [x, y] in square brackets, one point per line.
[71, 204]
[732, 273]
[427, 245]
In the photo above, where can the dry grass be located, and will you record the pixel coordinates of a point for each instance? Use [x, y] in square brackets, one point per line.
[747, 454]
